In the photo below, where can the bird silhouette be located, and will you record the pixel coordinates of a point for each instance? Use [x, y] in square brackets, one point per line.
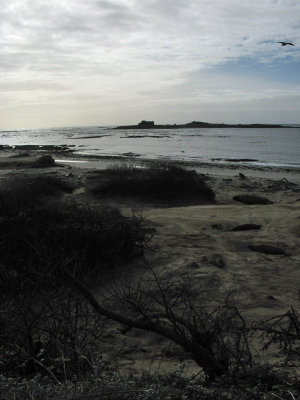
[285, 43]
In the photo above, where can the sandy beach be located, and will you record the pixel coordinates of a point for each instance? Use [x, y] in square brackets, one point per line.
[199, 242]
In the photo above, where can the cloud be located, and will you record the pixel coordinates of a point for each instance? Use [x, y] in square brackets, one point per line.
[130, 49]
[31, 86]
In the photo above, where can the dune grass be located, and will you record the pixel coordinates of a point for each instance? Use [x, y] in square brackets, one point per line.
[57, 233]
[38, 227]
[148, 386]
[20, 192]
[41, 234]
[155, 183]
[44, 162]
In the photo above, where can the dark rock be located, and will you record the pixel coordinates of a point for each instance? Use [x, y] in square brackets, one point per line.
[242, 176]
[193, 265]
[267, 249]
[215, 259]
[217, 226]
[245, 227]
[252, 199]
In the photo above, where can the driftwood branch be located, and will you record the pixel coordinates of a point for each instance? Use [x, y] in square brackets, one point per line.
[202, 355]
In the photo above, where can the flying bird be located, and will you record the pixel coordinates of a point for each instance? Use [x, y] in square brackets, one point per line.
[285, 43]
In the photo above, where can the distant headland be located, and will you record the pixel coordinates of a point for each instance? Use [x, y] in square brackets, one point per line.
[194, 124]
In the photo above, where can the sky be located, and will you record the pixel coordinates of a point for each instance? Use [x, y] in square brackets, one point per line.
[112, 62]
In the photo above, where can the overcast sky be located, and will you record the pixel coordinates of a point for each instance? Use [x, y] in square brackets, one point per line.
[107, 62]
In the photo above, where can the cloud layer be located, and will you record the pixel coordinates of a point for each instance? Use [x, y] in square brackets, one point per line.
[69, 62]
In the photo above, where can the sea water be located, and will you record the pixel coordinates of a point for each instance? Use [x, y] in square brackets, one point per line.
[252, 146]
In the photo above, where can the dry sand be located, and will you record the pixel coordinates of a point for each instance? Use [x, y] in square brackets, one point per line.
[190, 240]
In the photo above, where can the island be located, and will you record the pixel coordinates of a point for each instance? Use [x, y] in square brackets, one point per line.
[195, 124]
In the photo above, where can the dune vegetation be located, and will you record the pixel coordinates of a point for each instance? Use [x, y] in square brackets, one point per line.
[69, 279]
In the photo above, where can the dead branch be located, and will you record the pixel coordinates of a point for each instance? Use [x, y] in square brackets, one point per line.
[203, 340]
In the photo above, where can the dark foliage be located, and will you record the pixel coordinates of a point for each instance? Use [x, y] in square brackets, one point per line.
[51, 333]
[167, 183]
[25, 192]
[45, 327]
[43, 238]
[44, 161]
[148, 386]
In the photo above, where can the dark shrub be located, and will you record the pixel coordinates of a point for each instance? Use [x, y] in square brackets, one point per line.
[43, 238]
[44, 161]
[21, 192]
[50, 332]
[166, 183]
[107, 386]
[36, 244]
[38, 233]
[40, 316]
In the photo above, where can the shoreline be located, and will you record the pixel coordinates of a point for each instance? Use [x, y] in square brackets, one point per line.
[23, 155]
[216, 169]
[84, 161]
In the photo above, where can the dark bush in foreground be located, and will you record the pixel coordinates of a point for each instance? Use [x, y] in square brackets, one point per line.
[44, 237]
[171, 386]
[38, 233]
[148, 386]
[166, 183]
[45, 327]
[22, 192]
[50, 332]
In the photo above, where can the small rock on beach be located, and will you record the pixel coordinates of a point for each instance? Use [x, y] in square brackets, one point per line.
[245, 227]
[252, 199]
[267, 249]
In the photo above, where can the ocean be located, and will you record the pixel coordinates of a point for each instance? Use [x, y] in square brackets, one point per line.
[247, 146]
